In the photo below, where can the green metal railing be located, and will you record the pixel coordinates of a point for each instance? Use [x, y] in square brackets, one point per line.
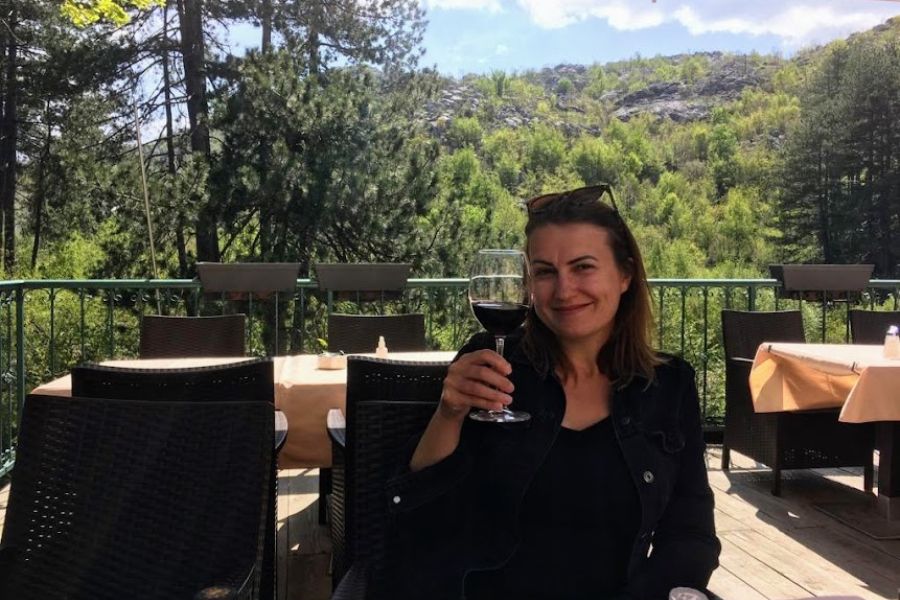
[47, 326]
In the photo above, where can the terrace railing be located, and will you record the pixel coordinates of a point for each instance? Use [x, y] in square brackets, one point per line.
[48, 326]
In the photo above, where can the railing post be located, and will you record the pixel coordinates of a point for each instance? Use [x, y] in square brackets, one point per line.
[20, 347]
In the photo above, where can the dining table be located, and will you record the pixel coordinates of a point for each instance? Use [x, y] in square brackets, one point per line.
[304, 393]
[856, 378]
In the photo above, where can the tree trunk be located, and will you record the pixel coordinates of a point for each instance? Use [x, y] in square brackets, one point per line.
[265, 15]
[8, 140]
[41, 191]
[312, 37]
[190, 13]
[180, 245]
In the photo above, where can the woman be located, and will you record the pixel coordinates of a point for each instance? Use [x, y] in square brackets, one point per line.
[611, 463]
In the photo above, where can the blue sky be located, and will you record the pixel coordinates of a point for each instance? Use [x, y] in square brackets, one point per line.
[466, 36]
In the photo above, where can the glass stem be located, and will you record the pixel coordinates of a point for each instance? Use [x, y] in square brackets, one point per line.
[500, 341]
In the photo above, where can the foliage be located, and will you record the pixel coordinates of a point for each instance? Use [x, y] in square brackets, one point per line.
[87, 12]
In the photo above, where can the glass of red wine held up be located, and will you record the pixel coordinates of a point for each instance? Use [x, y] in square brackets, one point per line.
[499, 296]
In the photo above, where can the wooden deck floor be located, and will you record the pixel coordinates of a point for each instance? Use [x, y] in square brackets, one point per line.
[772, 547]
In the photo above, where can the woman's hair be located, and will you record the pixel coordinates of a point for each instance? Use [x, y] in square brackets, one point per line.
[628, 352]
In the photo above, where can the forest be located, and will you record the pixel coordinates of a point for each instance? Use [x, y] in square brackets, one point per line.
[330, 141]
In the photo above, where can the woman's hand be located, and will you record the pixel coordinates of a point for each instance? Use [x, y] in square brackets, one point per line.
[477, 380]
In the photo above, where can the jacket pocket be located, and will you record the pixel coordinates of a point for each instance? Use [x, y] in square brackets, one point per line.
[670, 440]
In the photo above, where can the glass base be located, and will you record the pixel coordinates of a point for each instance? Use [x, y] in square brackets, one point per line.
[499, 416]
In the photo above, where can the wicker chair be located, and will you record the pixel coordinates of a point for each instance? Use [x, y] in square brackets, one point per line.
[355, 334]
[785, 440]
[158, 500]
[181, 337]
[387, 403]
[869, 326]
[251, 380]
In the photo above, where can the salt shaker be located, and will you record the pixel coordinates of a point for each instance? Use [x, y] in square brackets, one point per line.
[892, 343]
[381, 351]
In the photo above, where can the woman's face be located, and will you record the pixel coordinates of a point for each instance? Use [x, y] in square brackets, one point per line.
[575, 282]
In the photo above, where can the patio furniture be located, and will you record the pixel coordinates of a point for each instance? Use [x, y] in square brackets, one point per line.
[303, 392]
[362, 282]
[258, 278]
[132, 499]
[855, 379]
[175, 337]
[869, 326]
[387, 403]
[354, 334]
[245, 381]
[817, 281]
[784, 440]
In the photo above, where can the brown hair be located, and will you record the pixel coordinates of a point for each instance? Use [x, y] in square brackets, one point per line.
[628, 352]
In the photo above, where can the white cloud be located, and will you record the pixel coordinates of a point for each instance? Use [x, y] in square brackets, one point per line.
[796, 22]
[486, 5]
[501, 49]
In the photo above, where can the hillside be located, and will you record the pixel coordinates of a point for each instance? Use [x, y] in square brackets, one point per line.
[682, 88]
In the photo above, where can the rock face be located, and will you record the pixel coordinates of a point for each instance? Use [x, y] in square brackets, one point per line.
[726, 77]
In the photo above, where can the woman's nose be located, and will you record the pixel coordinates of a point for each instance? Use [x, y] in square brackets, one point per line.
[564, 286]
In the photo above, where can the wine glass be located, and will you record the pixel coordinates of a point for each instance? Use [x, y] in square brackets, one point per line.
[499, 297]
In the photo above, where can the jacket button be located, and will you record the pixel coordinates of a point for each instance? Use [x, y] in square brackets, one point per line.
[396, 499]
[648, 477]
[626, 421]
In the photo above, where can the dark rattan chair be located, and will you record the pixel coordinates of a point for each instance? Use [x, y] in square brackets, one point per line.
[387, 403]
[785, 440]
[359, 333]
[250, 380]
[869, 326]
[115, 499]
[181, 337]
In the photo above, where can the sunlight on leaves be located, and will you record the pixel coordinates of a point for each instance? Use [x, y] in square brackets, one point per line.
[83, 13]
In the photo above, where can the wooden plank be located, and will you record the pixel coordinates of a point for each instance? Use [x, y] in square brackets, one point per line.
[747, 505]
[807, 569]
[762, 578]
[853, 553]
[281, 539]
[309, 546]
[726, 584]
[725, 522]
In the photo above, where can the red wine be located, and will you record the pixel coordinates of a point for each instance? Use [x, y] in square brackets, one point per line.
[499, 318]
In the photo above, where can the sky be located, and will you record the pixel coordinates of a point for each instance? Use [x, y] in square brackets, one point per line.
[479, 36]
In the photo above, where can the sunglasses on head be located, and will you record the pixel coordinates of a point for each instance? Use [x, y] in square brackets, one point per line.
[585, 195]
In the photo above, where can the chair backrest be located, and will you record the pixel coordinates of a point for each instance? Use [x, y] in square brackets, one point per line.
[359, 333]
[869, 326]
[130, 499]
[388, 402]
[744, 331]
[241, 381]
[180, 337]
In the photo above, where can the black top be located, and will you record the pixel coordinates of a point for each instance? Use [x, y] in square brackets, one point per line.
[578, 522]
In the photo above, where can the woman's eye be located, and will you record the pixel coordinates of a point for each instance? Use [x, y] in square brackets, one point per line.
[584, 267]
[542, 272]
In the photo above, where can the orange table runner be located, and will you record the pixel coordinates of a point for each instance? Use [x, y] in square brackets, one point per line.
[857, 377]
[303, 392]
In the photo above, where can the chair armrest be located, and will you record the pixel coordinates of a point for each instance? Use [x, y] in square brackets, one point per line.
[337, 427]
[281, 430]
[353, 585]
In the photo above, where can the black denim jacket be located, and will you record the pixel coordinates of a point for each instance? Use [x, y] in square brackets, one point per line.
[461, 514]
